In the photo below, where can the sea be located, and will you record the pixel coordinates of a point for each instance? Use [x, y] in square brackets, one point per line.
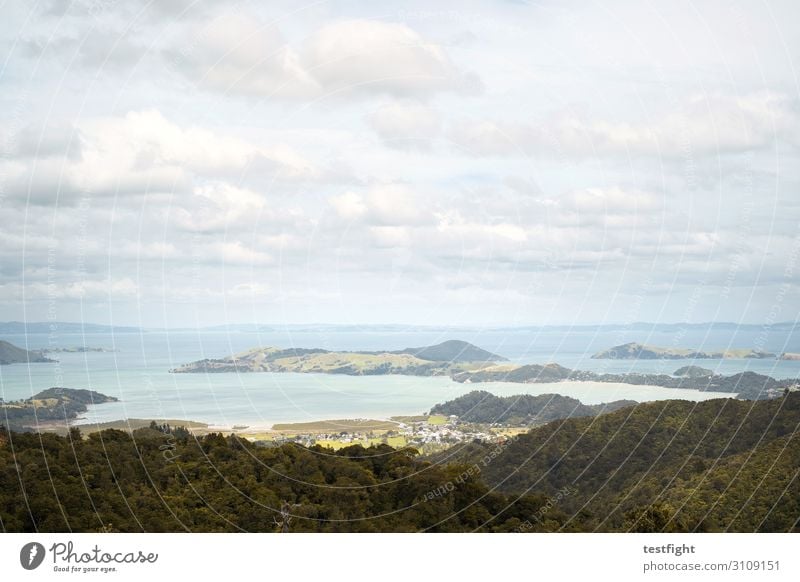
[137, 371]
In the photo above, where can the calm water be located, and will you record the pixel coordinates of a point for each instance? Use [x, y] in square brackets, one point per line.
[138, 372]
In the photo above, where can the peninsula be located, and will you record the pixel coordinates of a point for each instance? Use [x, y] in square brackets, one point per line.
[11, 354]
[52, 407]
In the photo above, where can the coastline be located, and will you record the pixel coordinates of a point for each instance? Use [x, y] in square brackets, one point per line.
[583, 390]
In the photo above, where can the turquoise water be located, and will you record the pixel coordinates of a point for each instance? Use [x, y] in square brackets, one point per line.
[138, 372]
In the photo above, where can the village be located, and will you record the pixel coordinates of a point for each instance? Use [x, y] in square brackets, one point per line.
[425, 433]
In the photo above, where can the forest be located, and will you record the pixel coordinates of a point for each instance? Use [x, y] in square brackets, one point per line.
[719, 465]
[521, 409]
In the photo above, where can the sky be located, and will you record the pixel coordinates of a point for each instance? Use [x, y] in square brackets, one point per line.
[189, 163]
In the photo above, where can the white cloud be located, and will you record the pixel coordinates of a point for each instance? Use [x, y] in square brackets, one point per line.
[85, 290]
[704, 125]
[144, 153]
[406, 124]
[614, 200]
[391, 204]
[249, 290]
[237, 253]
[349, 205]
[219, 207]
[380, 57]
[236, 53]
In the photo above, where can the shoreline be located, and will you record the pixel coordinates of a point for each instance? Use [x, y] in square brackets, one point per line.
[259, 428]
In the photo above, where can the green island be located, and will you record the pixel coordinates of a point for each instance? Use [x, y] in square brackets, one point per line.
[438, 360]
[54, 408]
[467, 363]
[637, 351]
[668, 466]
[77, 350]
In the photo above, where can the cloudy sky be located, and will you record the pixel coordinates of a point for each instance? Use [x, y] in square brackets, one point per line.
[181, 162]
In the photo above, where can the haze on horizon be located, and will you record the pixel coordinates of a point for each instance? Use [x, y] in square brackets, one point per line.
[182, 163]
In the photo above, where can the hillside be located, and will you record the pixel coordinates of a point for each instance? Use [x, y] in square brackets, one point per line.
[11, 354]
[720, 465]
[636, 351]
[442, 359]
[522, 409]
[708, 466]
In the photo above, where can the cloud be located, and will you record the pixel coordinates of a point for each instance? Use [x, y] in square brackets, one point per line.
[53, 140]
[703, 126]
[249, 290]
[86, 290]
[392, 204]
[142, 153]
[236, 53]
[349, 205]
[236, 253]
[613, 200]
[381, 57]
[406, 125]
[219, 207]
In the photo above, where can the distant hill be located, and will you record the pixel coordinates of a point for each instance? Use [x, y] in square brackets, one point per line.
[11, 354]
[21, 327]
[636, 351]
[693, 372]
[452, 351]
[522, 409]
[442, 359]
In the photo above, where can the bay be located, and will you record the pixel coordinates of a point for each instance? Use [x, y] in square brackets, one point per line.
[138, 372]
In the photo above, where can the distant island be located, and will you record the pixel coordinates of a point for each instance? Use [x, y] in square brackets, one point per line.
[76, 350]
[11, 354]
[693, 372]
[636, 351]
[51, 407]
[746, 385]
[467, 363]
[438, 360]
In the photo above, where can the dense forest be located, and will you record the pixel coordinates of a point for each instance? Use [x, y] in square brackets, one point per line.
[719, 465]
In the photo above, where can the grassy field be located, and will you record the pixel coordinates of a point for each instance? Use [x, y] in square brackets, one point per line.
[436, 419]
[346, 425]
[395, 441]
[410, 419]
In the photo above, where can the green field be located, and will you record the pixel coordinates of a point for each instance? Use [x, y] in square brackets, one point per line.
[437, 419]
[346, 425]
[395, 441]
